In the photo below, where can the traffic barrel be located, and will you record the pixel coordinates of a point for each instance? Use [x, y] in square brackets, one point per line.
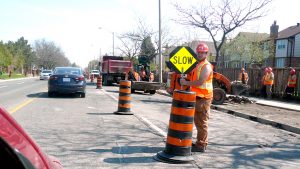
[180, 131]
[124, 103]
[92, 78]
[99, 82]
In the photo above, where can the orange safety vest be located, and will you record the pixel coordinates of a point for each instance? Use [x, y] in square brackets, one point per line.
[292, 81]
[206, 89]
[245, 77]
[267, 79]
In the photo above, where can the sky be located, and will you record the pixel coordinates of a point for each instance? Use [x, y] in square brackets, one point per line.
[73, 25]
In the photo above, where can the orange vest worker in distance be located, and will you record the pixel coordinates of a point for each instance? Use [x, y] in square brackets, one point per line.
[243, 76]
[292, 79]
[291, 85]
[201, 83]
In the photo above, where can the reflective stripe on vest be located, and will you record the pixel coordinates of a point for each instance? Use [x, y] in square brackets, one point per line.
[291, 81]
[206, 89]
[267, 79]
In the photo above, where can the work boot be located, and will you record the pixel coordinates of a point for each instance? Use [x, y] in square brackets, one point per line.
[198, 149]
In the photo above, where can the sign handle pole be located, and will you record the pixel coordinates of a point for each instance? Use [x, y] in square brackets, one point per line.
[181, 76]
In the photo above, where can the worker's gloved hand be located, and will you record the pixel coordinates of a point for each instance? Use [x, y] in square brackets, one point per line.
[183, 82]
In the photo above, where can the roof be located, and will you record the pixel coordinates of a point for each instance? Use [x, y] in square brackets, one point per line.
[254, 37]
[210, 45]
[288, 32]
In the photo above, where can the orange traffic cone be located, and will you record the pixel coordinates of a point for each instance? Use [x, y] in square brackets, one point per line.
[124, 103]
[99, 82]
[179, 139]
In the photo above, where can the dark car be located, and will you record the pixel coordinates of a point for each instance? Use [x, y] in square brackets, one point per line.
[67, 80]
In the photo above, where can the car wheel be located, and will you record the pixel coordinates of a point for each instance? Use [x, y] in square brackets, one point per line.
[50, 94]
[82, 95]
[152, 91]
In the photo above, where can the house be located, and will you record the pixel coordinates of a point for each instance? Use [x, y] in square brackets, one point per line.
[287, 51]
[212, 50]
[243, 50]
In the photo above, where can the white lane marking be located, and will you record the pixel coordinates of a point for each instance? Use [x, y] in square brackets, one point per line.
[151, 125]
[2, 86]
[21, 83]
[142, 119]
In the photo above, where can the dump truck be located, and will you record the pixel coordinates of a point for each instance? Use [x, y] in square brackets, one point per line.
[114, 69]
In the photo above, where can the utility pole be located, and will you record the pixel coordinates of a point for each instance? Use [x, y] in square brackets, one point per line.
[159, 43]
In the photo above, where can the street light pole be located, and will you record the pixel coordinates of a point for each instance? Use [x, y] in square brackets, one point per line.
[159, 43]
[113, 40]
[113, 43]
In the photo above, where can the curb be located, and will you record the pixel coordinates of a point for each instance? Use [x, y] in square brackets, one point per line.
[252, 118]
[260, 120]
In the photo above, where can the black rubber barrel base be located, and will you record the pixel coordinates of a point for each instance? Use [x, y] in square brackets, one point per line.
[123, 113]
[167, 158]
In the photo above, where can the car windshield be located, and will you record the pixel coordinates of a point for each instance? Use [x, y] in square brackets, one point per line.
[95, 71]
[46, 71]
[65, 70]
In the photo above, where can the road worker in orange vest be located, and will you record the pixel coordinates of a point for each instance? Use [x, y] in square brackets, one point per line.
[201, 84]
[268, 81]
[291, 85]
[243, 76]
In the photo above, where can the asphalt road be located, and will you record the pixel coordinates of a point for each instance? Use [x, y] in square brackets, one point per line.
[85, 133]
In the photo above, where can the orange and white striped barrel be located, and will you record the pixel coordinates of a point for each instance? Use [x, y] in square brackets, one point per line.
[124, 103]
[99, 82]
[179, 139]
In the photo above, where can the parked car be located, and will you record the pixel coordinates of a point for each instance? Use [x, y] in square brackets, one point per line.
[67, 80]
[19, 150]
[96, 73]
[45, 74]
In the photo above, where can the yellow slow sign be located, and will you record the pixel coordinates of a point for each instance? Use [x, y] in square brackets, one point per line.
[183, 60]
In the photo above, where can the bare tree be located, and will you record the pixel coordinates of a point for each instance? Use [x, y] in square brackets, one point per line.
[130, 47]
[49, 55]
[221, 18]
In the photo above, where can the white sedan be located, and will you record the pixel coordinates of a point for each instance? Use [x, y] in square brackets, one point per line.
[45, 74]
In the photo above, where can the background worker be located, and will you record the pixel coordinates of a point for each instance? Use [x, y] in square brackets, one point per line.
[143, 74]
[268, 82]
[201, 84]
[263, 92]
[243, 76]
[291, 84]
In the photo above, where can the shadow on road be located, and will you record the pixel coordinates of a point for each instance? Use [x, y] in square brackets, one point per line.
[56, 96]
[100, 113]
[156, 101]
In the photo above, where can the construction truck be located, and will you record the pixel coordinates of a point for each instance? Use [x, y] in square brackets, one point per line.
[142, 79]
[114, 69]
[222, 86]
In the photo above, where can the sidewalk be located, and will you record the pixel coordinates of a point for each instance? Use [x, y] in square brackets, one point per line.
[29, 77]
[274, 103]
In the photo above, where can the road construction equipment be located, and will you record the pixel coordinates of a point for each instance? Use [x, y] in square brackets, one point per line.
[114, 69]
[142, 79]
[221, 84]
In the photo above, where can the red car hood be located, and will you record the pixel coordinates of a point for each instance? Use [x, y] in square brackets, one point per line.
[17, 138]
